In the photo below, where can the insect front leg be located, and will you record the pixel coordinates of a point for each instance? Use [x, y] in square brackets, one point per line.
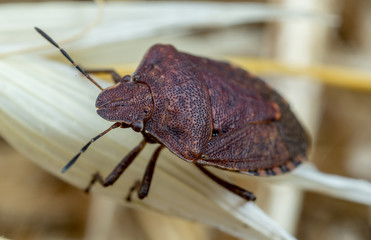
[118, 170]
[249, 196]
[143, 186]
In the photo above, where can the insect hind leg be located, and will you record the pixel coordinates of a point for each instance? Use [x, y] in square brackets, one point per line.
[249, 196]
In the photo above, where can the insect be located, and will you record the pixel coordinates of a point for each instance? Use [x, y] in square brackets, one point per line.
[206, 112]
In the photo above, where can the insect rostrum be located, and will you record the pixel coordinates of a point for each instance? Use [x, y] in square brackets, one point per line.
[207, 112]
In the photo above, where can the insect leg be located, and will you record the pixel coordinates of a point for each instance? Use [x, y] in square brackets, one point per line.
[133, 188]
[115, 76]
[119, 169]
[249, 196]
[147, 178]
[143, 186]
[83, 149]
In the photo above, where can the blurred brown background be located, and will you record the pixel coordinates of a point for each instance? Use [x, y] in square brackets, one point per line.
[36, 205]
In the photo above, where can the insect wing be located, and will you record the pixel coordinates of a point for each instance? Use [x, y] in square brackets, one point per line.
[256, 129]
[254, 149]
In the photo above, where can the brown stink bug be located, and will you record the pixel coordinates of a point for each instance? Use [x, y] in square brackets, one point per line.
[207, 112]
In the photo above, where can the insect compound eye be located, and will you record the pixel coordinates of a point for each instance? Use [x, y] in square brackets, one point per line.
[126, 78]
[137, 126]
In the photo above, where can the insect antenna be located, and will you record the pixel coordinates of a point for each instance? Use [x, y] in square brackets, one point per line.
[83, 149]
[47, 37]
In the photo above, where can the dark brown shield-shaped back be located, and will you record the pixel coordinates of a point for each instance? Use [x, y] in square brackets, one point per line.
[213, 113]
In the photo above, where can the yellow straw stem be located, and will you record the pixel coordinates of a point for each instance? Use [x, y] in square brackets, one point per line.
[331, 75]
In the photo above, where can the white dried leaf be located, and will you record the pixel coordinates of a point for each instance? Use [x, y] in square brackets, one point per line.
[309, 178]
[130, 21]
